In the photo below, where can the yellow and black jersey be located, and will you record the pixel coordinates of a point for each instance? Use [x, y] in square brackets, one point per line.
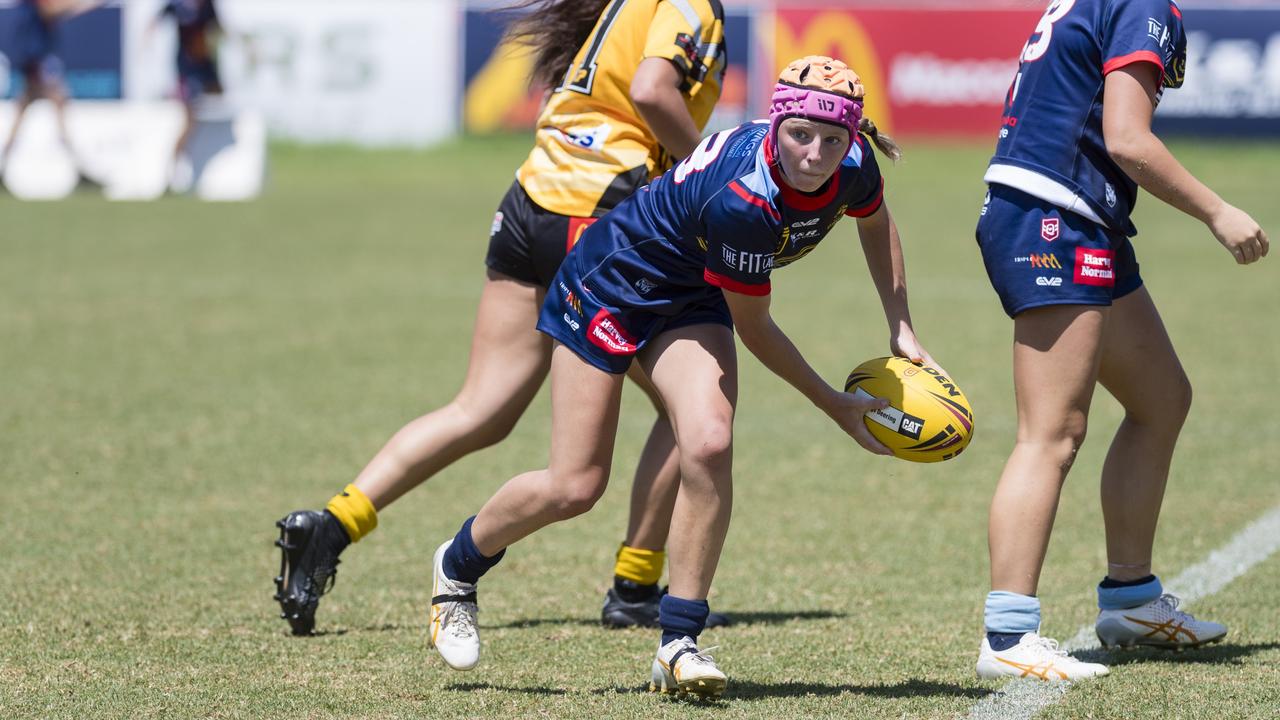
[592, 148]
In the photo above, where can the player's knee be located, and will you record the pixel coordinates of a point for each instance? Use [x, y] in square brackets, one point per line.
[578, 493]
[480, 427]
[709, 445]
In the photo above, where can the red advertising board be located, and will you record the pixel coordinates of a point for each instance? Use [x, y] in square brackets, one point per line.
[927, 71]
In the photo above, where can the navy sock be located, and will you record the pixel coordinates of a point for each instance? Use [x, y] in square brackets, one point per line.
[1003, 641]
[680, 618]
[1107, 582]
[463, 561]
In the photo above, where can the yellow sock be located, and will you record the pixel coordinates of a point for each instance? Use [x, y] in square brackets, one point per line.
[639, 566]
[354, 510]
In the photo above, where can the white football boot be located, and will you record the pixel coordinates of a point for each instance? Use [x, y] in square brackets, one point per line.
[681, 668]
[453, 617]
[1159, 623]
[1034, 657]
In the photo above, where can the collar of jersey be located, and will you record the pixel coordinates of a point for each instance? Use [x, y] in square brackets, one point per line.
[792, 197]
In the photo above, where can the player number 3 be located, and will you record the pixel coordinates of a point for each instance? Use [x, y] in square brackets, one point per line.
[1036, 49]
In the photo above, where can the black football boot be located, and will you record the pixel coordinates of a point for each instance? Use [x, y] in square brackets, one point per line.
[310, 542]
[630, 604]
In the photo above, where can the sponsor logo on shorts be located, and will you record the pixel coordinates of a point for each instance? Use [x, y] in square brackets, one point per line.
[571, 322]
[1050, 228]
[497, 224]
[607, 334]
[645, 286]
[1095, 267]
[573, 301]
[1111, 195]
[746, 262]
[1047, 261]
[1043, 281]
[577, 226]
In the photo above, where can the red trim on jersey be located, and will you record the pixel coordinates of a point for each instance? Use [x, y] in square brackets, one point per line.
[868, 210]
[794, 198]
[1177, 13]
[728, 283]
[1134, 57]
[747, 195]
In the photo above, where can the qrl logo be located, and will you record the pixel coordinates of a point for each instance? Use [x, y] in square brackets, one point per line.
[1049, 229]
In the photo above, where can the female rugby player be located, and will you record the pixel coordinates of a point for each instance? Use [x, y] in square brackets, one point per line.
[1075, 145]
[664, 279]
[633, 84]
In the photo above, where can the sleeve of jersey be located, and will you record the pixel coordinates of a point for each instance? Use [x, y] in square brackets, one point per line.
[869, 183]
[1140, 31]
[741, 242]
[672, 36]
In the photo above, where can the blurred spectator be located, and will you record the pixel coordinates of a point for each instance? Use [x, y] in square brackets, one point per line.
[40, 68]
[197, 64]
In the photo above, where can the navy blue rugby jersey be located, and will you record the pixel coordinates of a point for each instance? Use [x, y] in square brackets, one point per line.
[722, 218]
[1051, 144]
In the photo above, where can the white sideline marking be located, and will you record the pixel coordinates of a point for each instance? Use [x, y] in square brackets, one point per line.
[1023, 699]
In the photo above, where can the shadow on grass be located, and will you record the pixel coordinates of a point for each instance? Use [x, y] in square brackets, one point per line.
[469, 687]
[538, 622]
[748, 690]
[385, 627]
[779, 617]
[1217, 654]
[737, 619]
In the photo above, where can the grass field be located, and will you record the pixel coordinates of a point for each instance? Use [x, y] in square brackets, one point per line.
[176, 376]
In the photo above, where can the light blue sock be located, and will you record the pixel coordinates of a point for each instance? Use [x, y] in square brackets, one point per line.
[1008, 612]
[1128, 596]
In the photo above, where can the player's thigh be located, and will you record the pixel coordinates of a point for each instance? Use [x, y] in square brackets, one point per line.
[585, 402]
[695, 371]
[509, 357]
[1140, 367]
[1056, 353]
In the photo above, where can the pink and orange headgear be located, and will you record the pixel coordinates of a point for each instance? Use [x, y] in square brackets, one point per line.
[817, 88]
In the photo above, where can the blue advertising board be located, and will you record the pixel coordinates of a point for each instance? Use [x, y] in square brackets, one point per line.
[1233, 75]
[89, 47]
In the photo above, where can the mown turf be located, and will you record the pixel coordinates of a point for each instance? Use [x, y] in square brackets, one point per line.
[175, 376]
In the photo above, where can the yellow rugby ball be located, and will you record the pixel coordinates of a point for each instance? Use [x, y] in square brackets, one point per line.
[928, 419]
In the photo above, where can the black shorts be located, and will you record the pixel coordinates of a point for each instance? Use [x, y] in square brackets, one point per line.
[528, 242]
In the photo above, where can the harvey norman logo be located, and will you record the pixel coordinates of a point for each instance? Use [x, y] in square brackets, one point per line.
[1095, 267]
[746, 262]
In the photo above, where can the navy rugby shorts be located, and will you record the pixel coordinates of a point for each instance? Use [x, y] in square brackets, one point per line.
[1038, 254]
[606, 334]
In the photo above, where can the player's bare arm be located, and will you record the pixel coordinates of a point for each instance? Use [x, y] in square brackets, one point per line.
[1129, 102]
[655, 90]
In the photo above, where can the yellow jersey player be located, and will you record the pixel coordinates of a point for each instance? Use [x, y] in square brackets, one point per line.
[632, 84]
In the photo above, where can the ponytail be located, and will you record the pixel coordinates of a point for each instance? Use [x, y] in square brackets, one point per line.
[885, 143]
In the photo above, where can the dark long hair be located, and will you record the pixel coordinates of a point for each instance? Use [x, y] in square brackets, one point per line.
[554, 30]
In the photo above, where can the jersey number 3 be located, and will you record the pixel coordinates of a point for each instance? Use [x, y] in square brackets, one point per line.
[1037, 46]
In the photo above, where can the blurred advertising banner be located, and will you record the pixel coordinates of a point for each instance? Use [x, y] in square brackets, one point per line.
[497, 96]
[374, 72]
[88, 47]
[1233, 75]
[936, 71]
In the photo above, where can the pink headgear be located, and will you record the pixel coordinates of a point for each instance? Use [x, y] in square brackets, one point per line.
[817, 88]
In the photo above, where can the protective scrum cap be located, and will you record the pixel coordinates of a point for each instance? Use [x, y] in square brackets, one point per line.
[817, 88]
